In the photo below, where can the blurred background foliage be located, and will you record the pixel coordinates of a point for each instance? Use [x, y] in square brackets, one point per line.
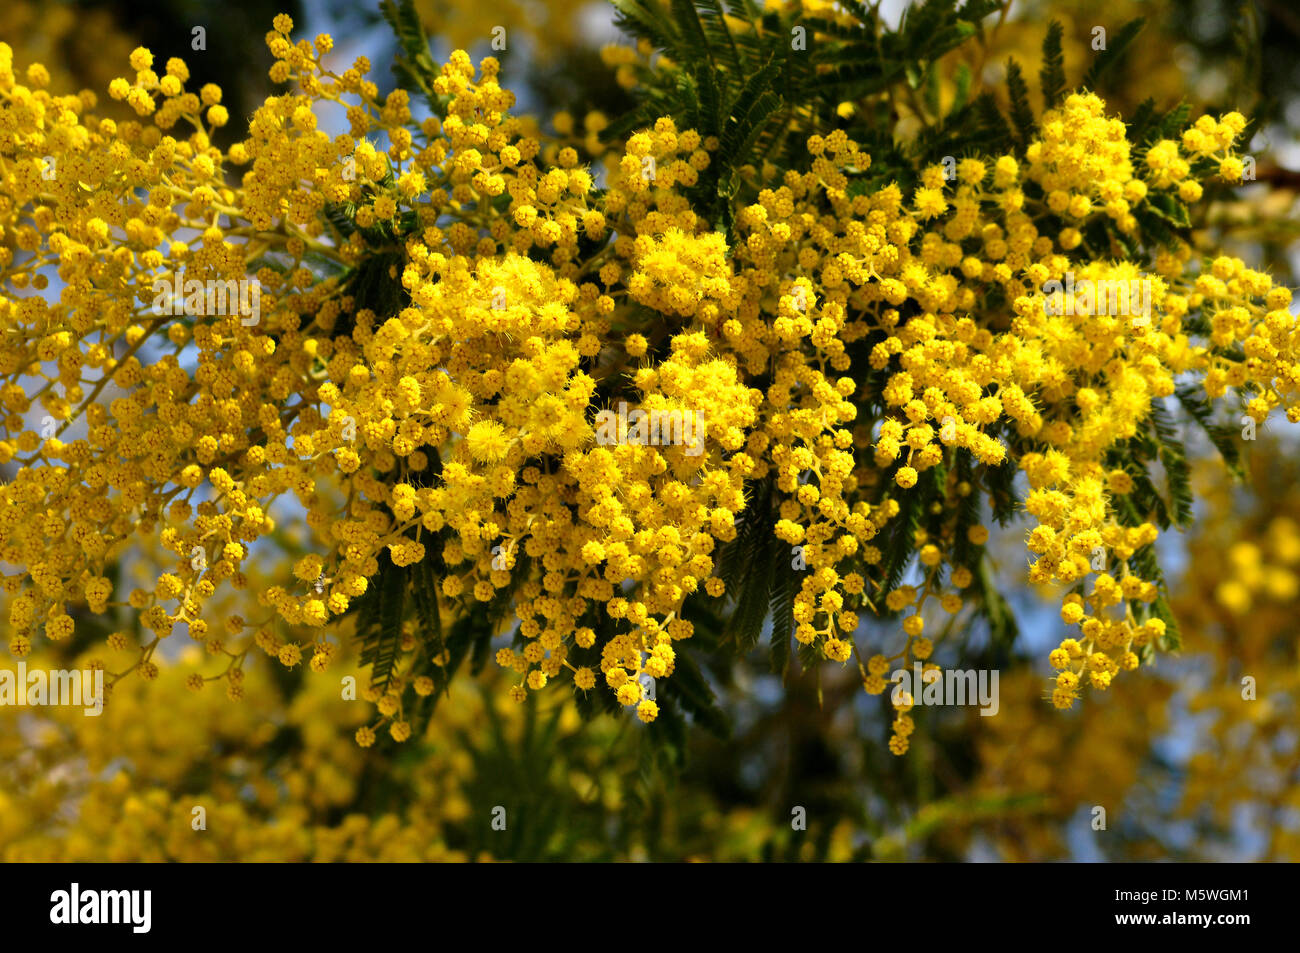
[1184, 767]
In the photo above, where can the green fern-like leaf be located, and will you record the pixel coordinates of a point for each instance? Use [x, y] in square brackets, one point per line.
[1022, 115]
[413, 66]
[1223, 437]
[713, 19]
[1052, 74]
[900, 547]
[688, 688]
[1172, 640]
[785, 587]
[1116, 47]
[648, 20]
[748, 566]
[1173, 456]
[379, 622]
[1172, 122]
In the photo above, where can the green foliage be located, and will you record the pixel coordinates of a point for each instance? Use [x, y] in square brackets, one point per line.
[1173, 457]
[380, 613]
[1022, 115]
[748, 566]
[1052, 75]
[1222, 436]
[1116, 47]
[413, 66]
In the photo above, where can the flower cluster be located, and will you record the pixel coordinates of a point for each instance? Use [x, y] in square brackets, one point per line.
[447, 304]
